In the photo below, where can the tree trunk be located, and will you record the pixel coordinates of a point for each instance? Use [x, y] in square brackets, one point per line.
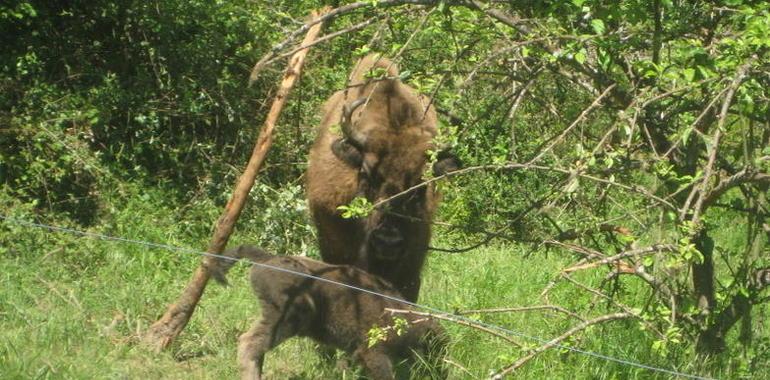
[710, 340]
[171, 324]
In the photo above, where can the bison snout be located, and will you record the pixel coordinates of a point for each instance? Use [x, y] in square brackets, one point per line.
[387, 243]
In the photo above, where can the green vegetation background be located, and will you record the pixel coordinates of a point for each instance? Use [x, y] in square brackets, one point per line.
[133, 119]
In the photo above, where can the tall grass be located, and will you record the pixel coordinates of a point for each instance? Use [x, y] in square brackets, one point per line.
[75, 307]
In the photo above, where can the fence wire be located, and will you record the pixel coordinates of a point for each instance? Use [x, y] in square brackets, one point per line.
[433, 310]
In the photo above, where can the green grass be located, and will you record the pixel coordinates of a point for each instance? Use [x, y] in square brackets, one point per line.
[75, 308]
[64, 324]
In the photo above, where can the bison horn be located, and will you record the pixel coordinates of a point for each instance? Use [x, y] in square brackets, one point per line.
[355, 139]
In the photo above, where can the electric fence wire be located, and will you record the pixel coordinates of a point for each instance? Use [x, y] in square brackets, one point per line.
[430, 309]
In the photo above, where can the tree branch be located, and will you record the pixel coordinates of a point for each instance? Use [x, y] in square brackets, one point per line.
[716, 139]
[555, 140]
[450, 318]
[334, 13]
[640, 252]
[325, 38]
[625, 308]
[556, 341]
[746, 175]
[555, 308]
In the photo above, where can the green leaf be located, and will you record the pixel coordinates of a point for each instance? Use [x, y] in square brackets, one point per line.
[376, 73]
[598, 26]
[358, 207]
[605, 59]
[686, 135]
[362, 51]
[648, 261]
[580, 56]
[689, 74]
[376, 335]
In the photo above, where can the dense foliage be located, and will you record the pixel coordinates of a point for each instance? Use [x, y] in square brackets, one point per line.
[628, 142]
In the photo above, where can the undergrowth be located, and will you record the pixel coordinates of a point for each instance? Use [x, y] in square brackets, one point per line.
[75, 307]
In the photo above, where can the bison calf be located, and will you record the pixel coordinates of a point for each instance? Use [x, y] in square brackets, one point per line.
[328, 313]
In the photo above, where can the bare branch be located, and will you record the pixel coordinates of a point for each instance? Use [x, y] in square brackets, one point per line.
[173, 321]
[503, 17]
[515, 107]
[746, 175]
[573, 234]
[617, 304]
[555, 308]
[520, 166]
[588, 253]
[599, 79]
[556, 341]
[464, 322]
[677, 90]
[577, 121]
[641, 252]
[694, 126]
[709, 169]
[658, 286]
[334, 13]
[325, 38]
[461, 368]
[485, 62]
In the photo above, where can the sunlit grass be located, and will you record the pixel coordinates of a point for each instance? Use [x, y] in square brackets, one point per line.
[76, 307]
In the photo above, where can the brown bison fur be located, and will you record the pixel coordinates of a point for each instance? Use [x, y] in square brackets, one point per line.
[373, 142]
[333, 315]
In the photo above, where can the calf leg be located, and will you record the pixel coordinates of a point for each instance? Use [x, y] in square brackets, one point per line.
[254, 344]
[376, 363]
[326, 353]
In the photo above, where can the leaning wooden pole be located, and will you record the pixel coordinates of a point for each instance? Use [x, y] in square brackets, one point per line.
[171, 324]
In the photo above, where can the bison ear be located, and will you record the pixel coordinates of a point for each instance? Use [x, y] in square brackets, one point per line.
[446, 162]
[346, 152]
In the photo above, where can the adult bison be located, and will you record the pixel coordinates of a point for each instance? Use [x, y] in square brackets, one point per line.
[373, 141]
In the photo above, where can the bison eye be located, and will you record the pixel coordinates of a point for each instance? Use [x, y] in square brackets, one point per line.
[346, 152]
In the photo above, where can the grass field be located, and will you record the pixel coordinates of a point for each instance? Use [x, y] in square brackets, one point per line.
[75, 308]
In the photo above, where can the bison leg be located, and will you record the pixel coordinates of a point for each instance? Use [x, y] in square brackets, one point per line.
[407, 280]
[254, 344]
[411, 290]
[338, 238]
